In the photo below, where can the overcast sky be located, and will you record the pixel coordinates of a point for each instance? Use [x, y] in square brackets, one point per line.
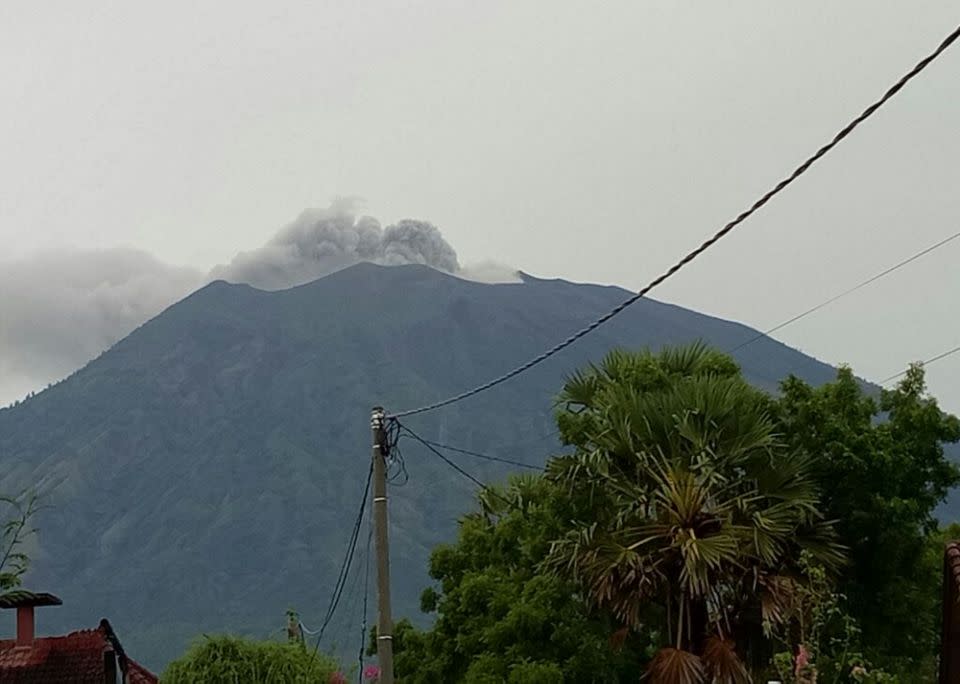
[584, 140]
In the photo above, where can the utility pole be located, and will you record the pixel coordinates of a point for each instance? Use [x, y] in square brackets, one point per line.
[384, 619]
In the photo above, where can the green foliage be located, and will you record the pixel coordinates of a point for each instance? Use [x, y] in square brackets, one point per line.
[13, 531]
[229, 660]
[861, 673]
[498, 617]
[882, 471]
[535, 673]
[815, 621]
[693, 521]
[698, 506]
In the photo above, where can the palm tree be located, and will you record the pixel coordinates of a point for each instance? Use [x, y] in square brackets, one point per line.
[702, 511]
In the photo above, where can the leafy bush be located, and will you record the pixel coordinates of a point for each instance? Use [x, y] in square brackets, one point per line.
[230, 660]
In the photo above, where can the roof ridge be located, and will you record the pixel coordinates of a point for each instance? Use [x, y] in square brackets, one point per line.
[73, 634]
[77, 655]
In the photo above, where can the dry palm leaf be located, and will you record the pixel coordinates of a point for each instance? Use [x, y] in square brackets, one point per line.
[673, 666]
[722, 663]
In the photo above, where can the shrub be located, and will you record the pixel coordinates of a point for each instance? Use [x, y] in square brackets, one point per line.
[229, 660]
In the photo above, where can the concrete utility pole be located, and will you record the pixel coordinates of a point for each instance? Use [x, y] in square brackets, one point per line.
[384, 620]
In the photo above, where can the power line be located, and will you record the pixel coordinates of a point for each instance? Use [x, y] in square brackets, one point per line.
[475, 454]
[353, 593]
[554, 432]
[446, 460]
[720, 234]
[453, 465]
[924, 363]
[347, 562]
[308, 632]
[345, 566]
[878, 276]
[399, 475]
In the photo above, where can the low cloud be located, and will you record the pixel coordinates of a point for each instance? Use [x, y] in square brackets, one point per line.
[60, 309]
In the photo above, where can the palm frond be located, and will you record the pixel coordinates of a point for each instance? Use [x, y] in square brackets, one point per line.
[721, 662]
[674, 666]
[776, 596]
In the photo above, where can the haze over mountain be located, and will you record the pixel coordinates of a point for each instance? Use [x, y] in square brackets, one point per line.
[63, 307]
[203, 474]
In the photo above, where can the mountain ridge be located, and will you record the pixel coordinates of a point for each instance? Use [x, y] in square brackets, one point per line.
[204, 471]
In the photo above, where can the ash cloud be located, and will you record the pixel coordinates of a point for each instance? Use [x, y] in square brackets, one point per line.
[321, 241]
[62, 308]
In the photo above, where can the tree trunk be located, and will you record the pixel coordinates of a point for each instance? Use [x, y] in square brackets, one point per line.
[699, 621]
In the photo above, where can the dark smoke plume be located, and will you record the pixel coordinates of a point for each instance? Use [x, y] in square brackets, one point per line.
[321, 241]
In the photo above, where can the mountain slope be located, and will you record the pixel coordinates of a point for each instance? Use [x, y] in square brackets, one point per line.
[204, 473]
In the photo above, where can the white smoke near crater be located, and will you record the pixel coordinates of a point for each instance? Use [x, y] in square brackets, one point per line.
[489, 272]
[321, 241]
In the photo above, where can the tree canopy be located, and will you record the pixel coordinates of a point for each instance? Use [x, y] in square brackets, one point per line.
[499, 618]
[882, 472]
[697, 525]
[705, 509]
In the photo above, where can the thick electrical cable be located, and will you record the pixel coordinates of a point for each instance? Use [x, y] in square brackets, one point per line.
[716, 237]
[924, 364]
[347, 562]
[821, 305]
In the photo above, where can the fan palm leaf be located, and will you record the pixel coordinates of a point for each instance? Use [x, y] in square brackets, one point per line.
[696, 497]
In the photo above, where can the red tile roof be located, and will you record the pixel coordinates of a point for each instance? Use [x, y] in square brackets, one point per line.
[76, 658]
[138, 674]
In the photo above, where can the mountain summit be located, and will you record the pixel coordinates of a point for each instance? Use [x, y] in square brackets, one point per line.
[204, 473]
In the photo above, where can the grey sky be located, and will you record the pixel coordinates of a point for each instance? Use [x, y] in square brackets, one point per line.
[591, 141]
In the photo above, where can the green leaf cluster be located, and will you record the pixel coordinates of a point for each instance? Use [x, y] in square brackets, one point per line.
[15, 529]
[882, 471]
[499, 617]
[702, 509]
[696, 522]
[229, 660]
